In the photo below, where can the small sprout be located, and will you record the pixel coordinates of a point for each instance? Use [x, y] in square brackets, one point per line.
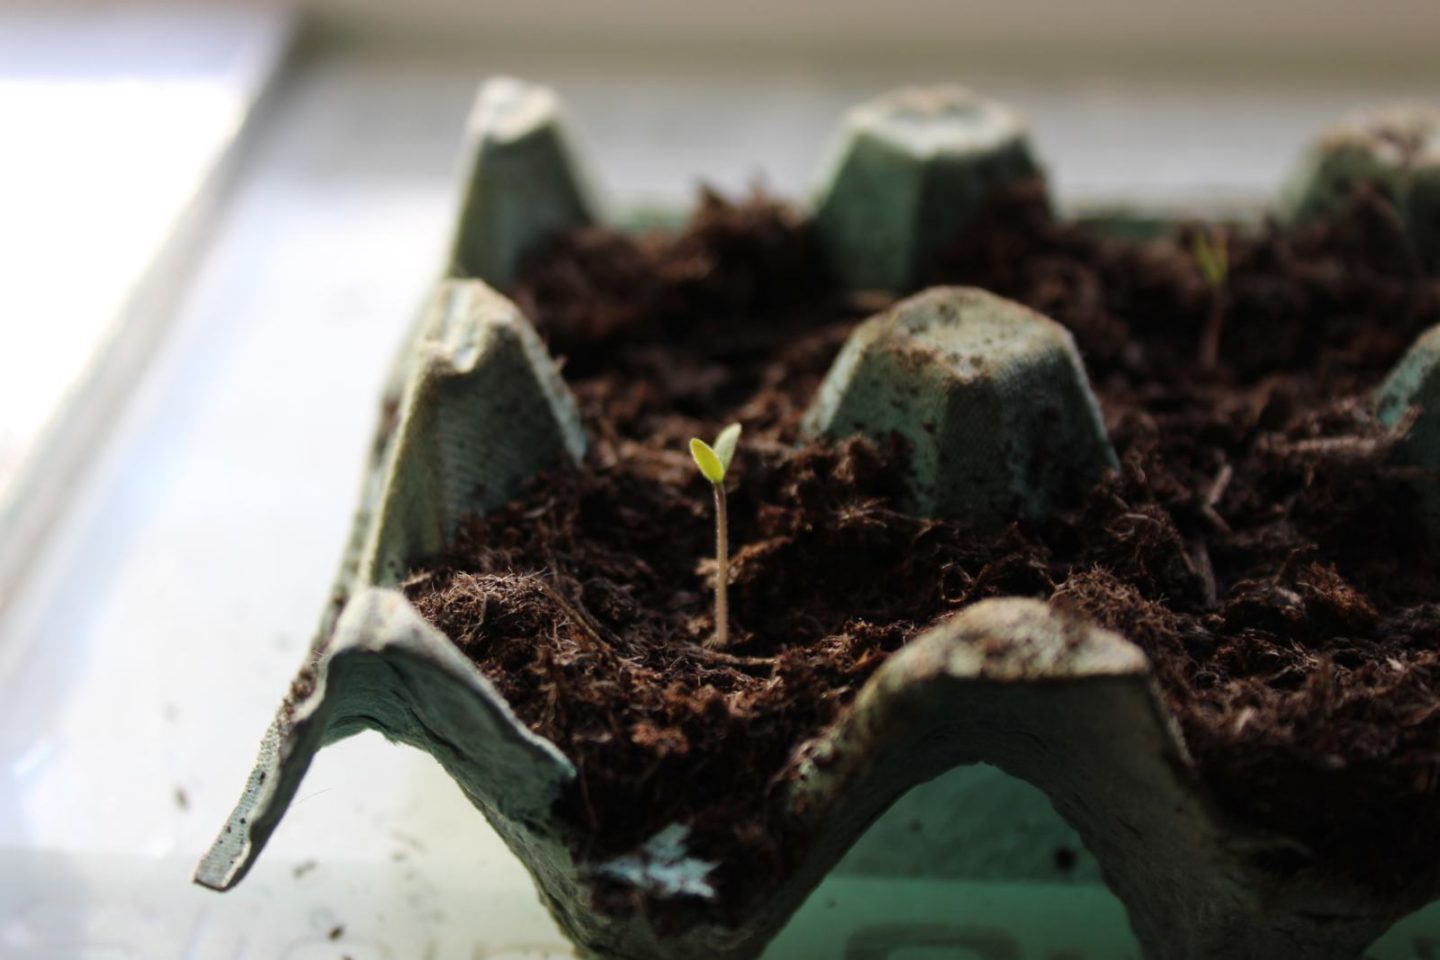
[1212, 256]
[714, 462]
[1210, 250]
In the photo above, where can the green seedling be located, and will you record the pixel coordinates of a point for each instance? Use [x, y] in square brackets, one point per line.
[714, 462]
[1211, 253]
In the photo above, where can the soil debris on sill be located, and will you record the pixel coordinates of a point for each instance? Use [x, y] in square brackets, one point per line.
[1253, 542]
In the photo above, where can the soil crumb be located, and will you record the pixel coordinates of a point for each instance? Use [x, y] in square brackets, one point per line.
[1254, 543]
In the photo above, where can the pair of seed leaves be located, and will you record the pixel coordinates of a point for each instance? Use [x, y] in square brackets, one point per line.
[1212, 256]
[715, 461]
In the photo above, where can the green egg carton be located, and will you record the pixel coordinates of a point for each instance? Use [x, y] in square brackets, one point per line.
[1008, 732]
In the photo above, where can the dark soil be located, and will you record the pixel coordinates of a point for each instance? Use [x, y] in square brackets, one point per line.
[1254, 543]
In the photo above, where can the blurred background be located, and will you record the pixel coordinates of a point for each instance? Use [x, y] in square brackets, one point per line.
[215, 223]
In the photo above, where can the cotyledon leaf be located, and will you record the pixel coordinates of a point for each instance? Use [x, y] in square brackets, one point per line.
[707, 460]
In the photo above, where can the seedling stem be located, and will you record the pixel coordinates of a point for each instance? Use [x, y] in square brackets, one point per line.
[1212, 257]
[714, 462]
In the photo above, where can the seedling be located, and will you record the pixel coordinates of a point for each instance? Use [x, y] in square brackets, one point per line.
[1212, 257]
[714, 462]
